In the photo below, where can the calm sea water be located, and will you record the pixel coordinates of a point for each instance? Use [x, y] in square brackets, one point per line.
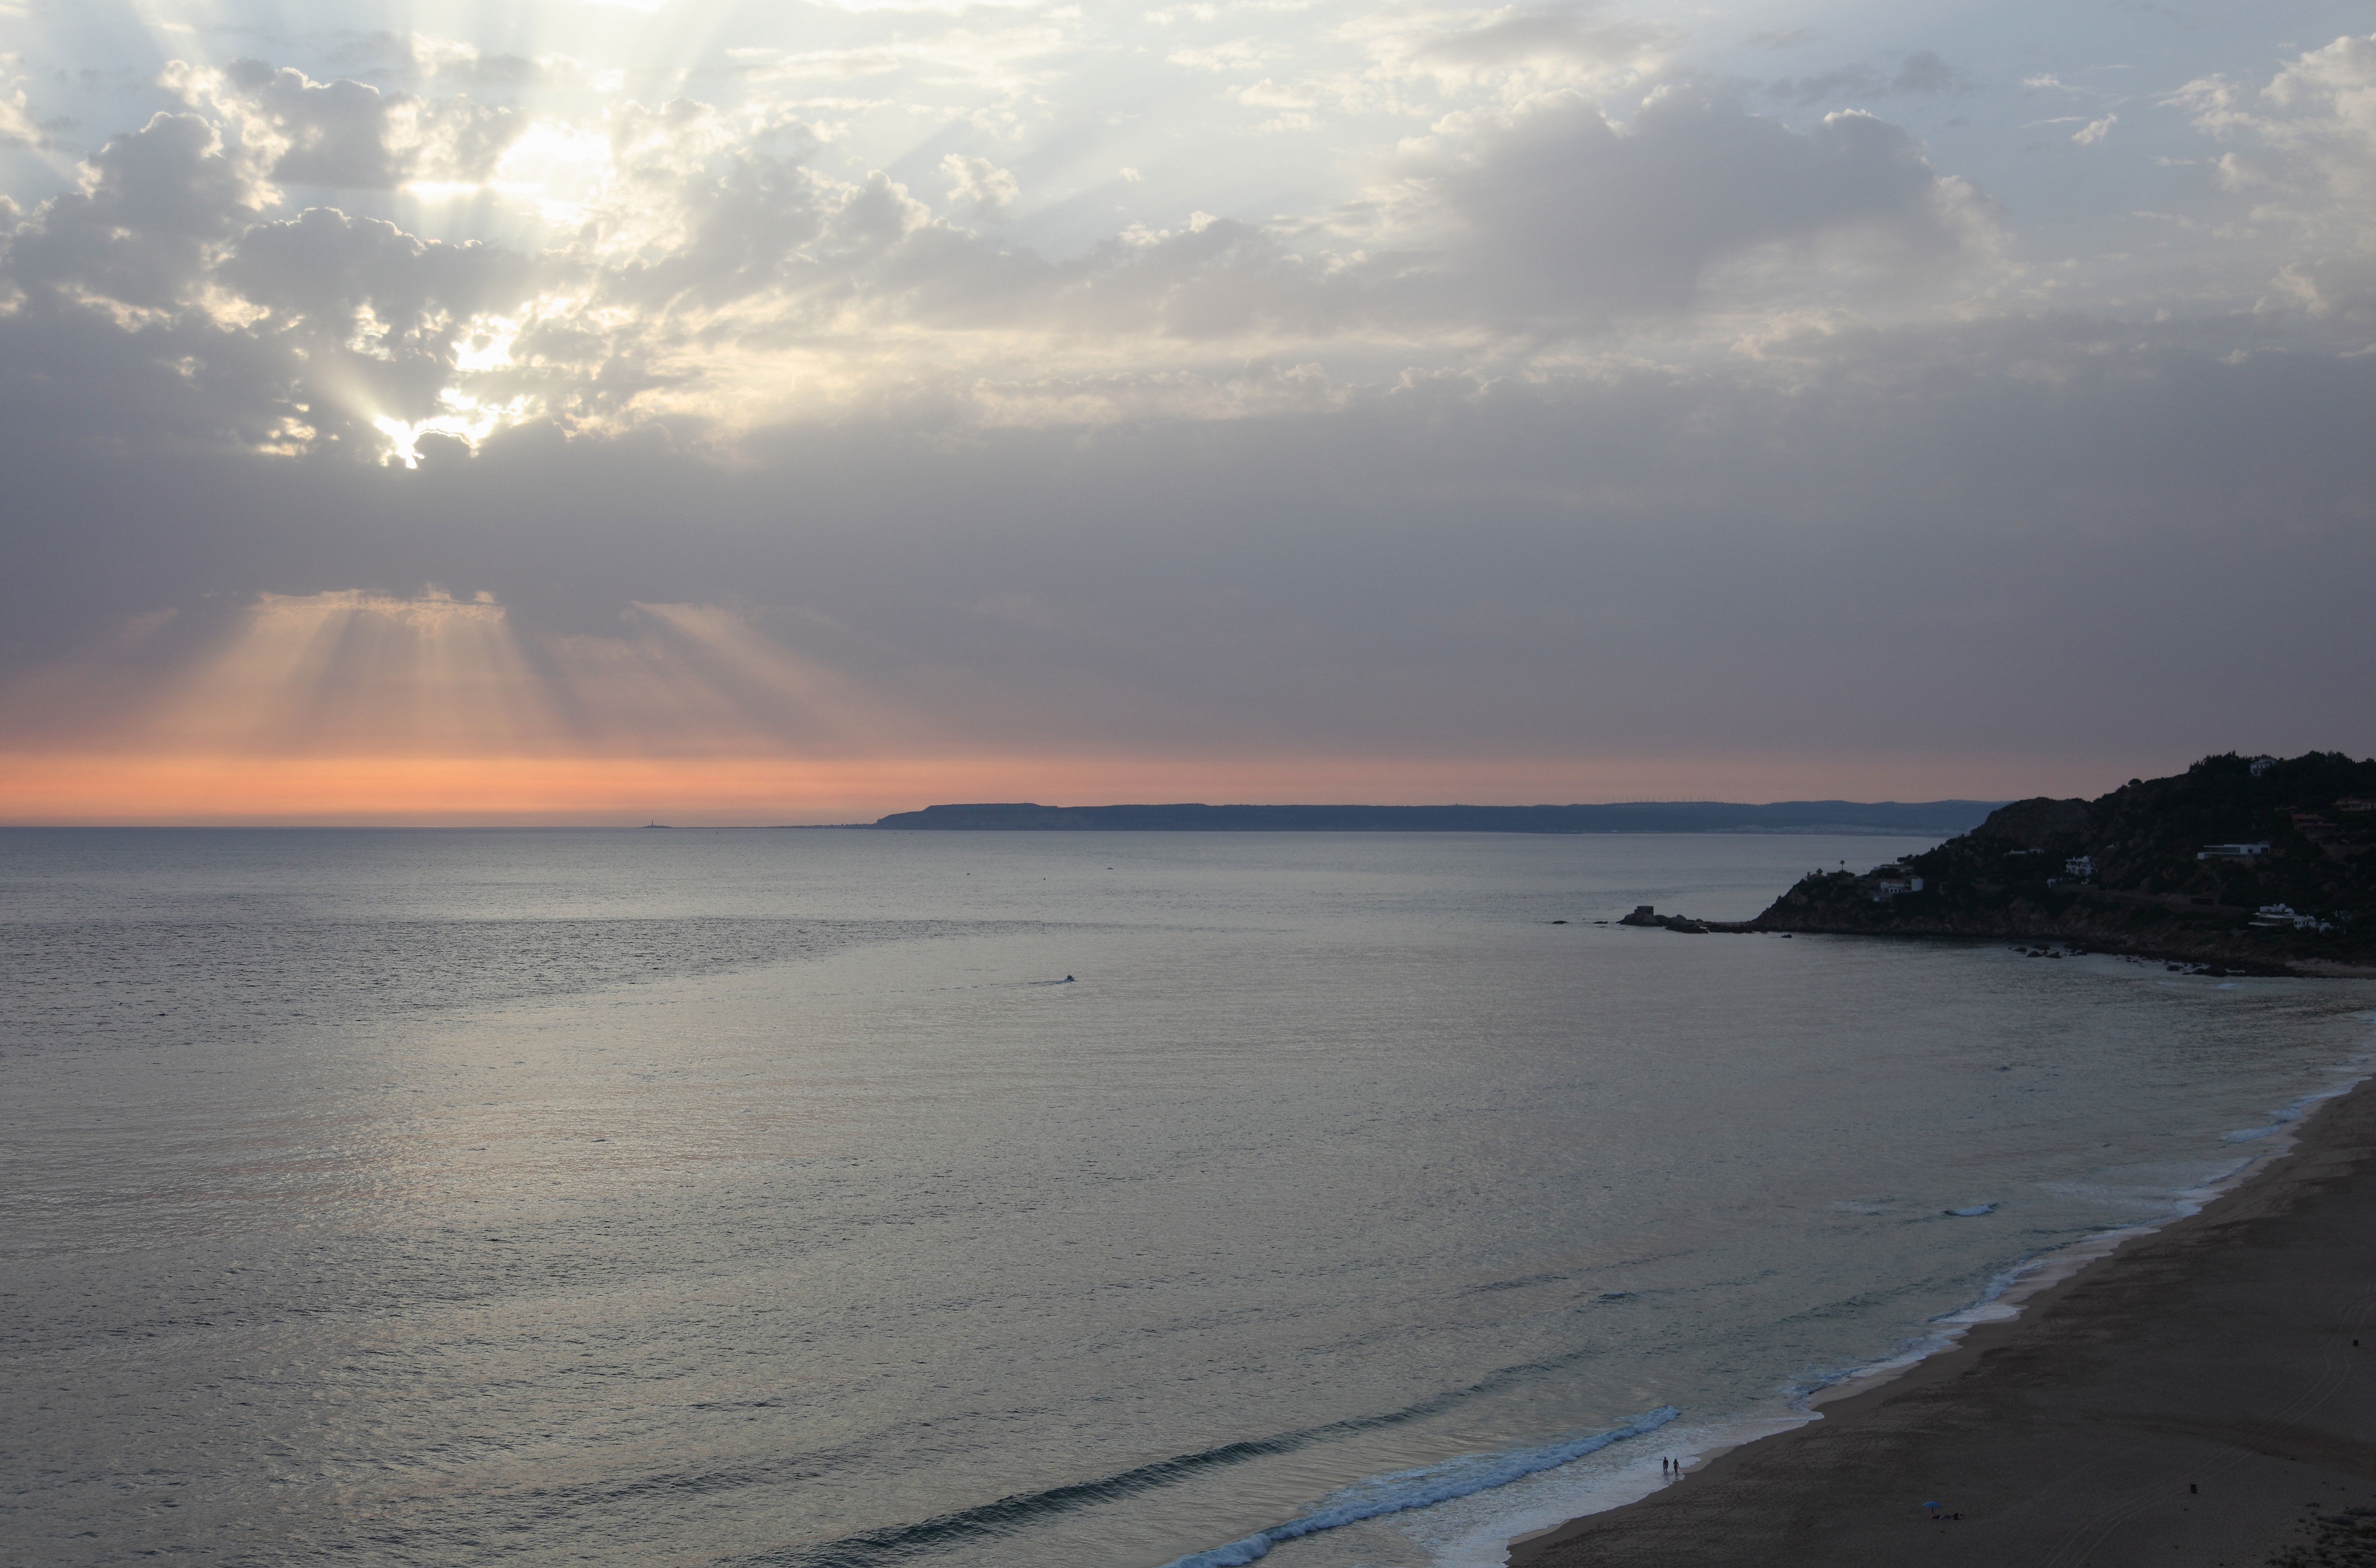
[775, 1198]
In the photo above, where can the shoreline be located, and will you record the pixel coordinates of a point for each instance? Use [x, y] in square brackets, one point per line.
[2211, 1346]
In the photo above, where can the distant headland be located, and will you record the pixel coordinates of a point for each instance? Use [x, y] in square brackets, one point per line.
[2255, 864]
[1918, 817]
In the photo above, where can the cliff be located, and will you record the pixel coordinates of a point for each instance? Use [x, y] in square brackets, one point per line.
[2258, 864]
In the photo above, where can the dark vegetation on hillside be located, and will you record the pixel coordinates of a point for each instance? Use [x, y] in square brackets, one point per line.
[2251, 862]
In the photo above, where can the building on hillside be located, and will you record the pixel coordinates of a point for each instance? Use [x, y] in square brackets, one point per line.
[2233, 851]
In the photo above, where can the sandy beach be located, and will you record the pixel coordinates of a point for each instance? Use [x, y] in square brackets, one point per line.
[2203, 1397]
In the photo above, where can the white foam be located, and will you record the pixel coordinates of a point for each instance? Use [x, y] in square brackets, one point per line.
[1478, 1532]
[1423, 1488]
[2348, 1076]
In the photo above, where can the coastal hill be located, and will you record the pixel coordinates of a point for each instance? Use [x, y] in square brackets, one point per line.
[2248, 862]
[1919, 817]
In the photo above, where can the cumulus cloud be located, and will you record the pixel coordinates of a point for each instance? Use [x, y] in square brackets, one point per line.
[17, 125]
[349, 134]
[979, 184]
[376, 321]
[313, 133]
[1570, 213]
[2301, 152]
[154, 208]
[704, 246]
[2309, 131]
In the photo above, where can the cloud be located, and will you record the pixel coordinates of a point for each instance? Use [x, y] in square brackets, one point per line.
[706, 254]
[2310, 132]
[154, 208]
[191, 314]
[17, 125]
[432, 677]
[347, 135]
[1570, 214]
[1513, 50]
[1546, 397]
[1236, 54]
[320, 133]
[979, 184]
[2302, 155]
[1267, 94]
[1921, 73]
[1925, 72]
[1647, 561]
[376, 322]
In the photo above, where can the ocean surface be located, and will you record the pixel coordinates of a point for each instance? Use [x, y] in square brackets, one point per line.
[837, 1199]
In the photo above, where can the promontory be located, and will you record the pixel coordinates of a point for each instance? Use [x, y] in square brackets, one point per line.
[2260, 864]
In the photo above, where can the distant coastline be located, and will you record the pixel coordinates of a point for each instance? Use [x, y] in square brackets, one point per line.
[1915, 818]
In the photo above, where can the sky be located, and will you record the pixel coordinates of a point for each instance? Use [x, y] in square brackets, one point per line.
[707, 412]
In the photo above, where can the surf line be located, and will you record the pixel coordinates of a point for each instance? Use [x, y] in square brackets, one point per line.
[1406, 1490]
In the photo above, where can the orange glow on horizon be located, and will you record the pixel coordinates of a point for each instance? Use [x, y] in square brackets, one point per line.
[363, 708]
[196, 789]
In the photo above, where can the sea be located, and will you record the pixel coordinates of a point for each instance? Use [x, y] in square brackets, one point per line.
[856, 1199]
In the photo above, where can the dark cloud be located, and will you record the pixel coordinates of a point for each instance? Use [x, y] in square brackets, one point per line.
[1552, 430]
[333, 133]
[1569, 213]
[143, 231]
[2053, 535]
[325, 267]
[1925, 72]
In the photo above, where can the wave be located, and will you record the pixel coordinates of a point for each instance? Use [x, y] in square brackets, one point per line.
[1405, 1490]
[2010, 1289]
[1481, 1541]
[2285, 1117]
[902, 1543]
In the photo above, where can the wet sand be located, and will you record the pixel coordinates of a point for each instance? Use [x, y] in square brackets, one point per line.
[2201, 1397]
